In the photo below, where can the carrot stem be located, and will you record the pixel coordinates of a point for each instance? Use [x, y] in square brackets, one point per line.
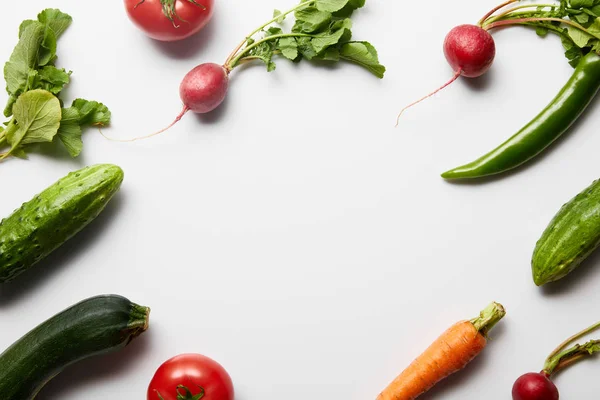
[488, 318]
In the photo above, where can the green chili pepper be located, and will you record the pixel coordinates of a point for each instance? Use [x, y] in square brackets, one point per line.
[544, 129]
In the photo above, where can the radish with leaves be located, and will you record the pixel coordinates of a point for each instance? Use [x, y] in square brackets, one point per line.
[322, 31]
[539, 385]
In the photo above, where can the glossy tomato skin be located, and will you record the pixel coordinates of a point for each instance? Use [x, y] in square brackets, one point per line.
[149, 17]
[192, 371]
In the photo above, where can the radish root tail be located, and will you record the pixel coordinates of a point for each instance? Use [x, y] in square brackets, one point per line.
[444, 86]
[181, 114]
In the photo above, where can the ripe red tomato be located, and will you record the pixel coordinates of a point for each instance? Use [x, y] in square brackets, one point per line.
[187, 376]
[188, 17]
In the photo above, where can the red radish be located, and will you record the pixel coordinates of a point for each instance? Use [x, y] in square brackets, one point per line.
[470, 50]
[204, 88]
[534, 386]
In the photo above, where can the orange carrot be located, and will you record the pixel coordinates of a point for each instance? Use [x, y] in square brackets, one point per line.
[450, 353]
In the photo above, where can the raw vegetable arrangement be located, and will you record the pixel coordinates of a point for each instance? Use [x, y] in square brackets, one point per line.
[34, 84]
[470, 50]
[321, 31]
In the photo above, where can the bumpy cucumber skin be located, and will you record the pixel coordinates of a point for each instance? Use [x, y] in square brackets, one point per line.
[54, 216]
[99, 325]
[572, 235]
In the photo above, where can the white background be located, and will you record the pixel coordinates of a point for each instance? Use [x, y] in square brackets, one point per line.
[295, 235]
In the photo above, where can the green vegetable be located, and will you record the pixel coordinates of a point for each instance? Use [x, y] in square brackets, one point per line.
[322, 30]
[577, 23]
[572, 235]
[544, 129]
[98, 325]
[33, 83]
[54, 216]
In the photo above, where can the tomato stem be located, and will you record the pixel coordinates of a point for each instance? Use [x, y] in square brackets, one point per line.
[170, 10]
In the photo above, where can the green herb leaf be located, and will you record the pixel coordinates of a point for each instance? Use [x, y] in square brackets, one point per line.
[289, 48]
[364, 54]
[69, 132]
[38, 114]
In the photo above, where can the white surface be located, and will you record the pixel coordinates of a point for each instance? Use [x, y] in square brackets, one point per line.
[294, 235]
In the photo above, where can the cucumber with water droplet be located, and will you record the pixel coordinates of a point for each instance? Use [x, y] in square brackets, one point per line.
[571, 237]
[54, 216]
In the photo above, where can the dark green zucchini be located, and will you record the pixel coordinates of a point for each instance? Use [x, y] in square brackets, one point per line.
[43, 224]
[94, 326]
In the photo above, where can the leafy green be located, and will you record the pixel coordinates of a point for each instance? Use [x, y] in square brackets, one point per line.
[363, 53]
[34, 83]
[322, 30]
[579, 29]
[39, 115]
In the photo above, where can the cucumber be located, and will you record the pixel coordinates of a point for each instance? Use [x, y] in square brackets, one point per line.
[98, 325]
[572, 235]
[43, 224]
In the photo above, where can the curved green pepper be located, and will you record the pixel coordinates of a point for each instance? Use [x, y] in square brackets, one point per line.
[544, 129]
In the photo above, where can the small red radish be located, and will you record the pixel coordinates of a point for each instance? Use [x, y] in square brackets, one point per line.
[534, 386]
[470, 50]
[204, 88]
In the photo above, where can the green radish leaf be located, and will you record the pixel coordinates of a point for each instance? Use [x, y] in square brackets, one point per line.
[55, 20]
[51, 79]
[38, 115]
[92, 113]
[69, 132]
[310, 20]
[331, 5]
[22, 60]
[280, 17]
[340, 31]
[289, 48]
[579, 37]
[364, 54]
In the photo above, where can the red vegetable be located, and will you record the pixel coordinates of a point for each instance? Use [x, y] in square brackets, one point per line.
[170, 20]
[190, 377]
[534, 386]
[470, 50]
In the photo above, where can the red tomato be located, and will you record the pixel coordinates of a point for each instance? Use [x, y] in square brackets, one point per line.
[189, 375]
[188, 18]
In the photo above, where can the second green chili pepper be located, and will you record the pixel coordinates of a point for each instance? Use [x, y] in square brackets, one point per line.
[544, 129]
